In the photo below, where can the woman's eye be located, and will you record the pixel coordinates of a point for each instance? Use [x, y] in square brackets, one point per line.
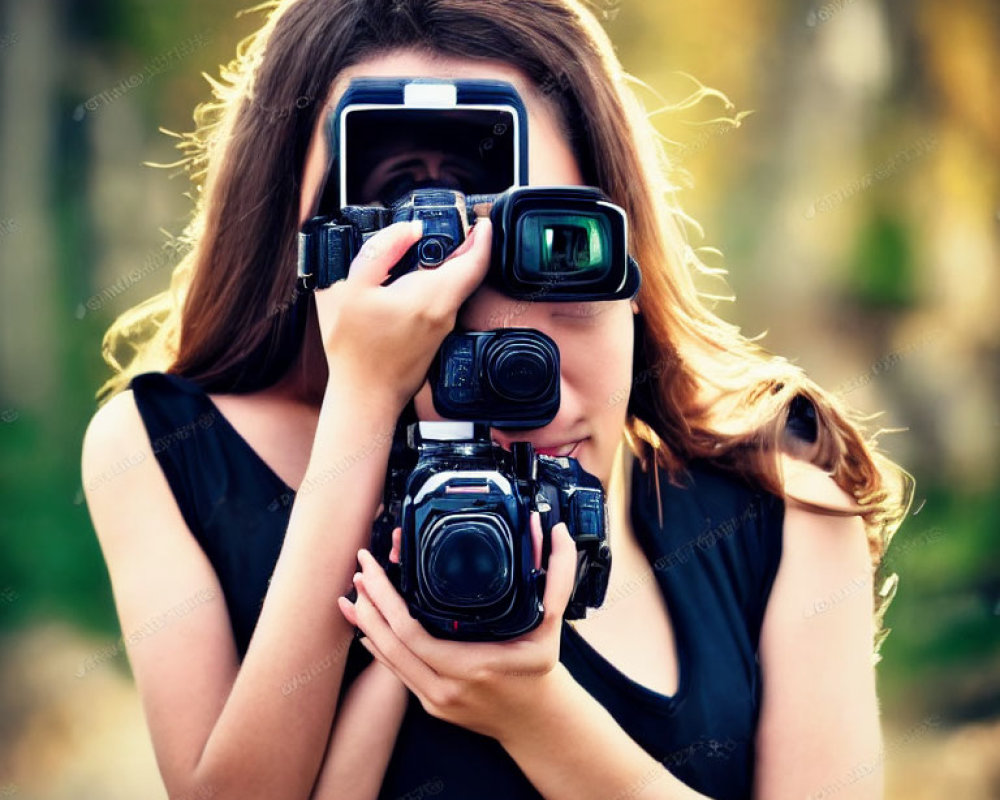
[397, 177]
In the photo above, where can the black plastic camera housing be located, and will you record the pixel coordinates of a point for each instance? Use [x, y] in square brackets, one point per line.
[508, 377]
[466, 565]
[556, 243]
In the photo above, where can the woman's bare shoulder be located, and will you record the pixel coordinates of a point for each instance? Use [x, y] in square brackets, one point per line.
[115, 428]
[809, 486]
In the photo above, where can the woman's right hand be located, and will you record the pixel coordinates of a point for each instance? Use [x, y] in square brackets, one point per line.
[383, 338]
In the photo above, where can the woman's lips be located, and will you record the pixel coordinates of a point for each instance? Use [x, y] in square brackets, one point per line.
[561, 451]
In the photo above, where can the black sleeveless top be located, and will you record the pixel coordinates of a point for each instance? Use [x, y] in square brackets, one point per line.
[714, 557]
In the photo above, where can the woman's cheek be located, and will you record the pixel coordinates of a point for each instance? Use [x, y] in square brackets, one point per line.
[423, 404]
[601, 366]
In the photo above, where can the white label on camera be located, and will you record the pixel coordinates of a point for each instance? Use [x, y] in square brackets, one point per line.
[430, 95]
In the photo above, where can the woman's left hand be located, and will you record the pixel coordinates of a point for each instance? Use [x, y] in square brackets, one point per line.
[485, 687]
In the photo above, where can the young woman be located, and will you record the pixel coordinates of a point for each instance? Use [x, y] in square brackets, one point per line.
[739, 492]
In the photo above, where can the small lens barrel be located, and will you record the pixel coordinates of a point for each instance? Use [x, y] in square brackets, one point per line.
[433, 250]
[520, 369]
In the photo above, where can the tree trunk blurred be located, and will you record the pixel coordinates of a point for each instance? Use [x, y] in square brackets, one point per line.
[29, 366]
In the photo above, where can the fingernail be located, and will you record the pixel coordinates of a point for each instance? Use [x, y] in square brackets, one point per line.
[356, 578]
[417, 226]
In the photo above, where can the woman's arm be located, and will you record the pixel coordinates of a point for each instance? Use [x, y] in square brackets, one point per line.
[364, 735]
[366, 727]
[220, 728]
[217, 726]
[819, 725]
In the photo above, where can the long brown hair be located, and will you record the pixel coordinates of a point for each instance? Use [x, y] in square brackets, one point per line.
[231, 318]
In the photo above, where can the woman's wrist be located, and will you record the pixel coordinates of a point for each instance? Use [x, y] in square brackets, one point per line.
[375, 401]
[545, 699]
[372, 397]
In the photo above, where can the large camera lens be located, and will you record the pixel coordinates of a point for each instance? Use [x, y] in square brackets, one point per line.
[468, 560]
[520, 369]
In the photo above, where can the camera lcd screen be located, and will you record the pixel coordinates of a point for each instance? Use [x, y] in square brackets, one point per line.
[386, 152]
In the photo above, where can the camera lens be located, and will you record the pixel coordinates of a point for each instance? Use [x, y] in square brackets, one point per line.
[431, 251]
[519, 369]
[468, 561]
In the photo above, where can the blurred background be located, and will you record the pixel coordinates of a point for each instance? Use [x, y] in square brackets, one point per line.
[853, 195]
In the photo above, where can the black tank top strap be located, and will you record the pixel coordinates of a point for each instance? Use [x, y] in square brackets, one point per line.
[182, 423]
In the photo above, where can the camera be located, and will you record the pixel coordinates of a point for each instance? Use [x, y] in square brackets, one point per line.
[560, 243]
[508, 377]
[463, 503]
[557, 243]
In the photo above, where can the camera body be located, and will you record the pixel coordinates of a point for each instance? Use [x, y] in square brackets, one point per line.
[466, 565]
[445, 222]
[555, 243]
[508, 376]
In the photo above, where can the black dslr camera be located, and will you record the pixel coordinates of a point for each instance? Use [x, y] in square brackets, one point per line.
[466, 565]
[559, 243]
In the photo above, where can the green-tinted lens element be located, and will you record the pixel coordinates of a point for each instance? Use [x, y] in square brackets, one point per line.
[564, 246]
